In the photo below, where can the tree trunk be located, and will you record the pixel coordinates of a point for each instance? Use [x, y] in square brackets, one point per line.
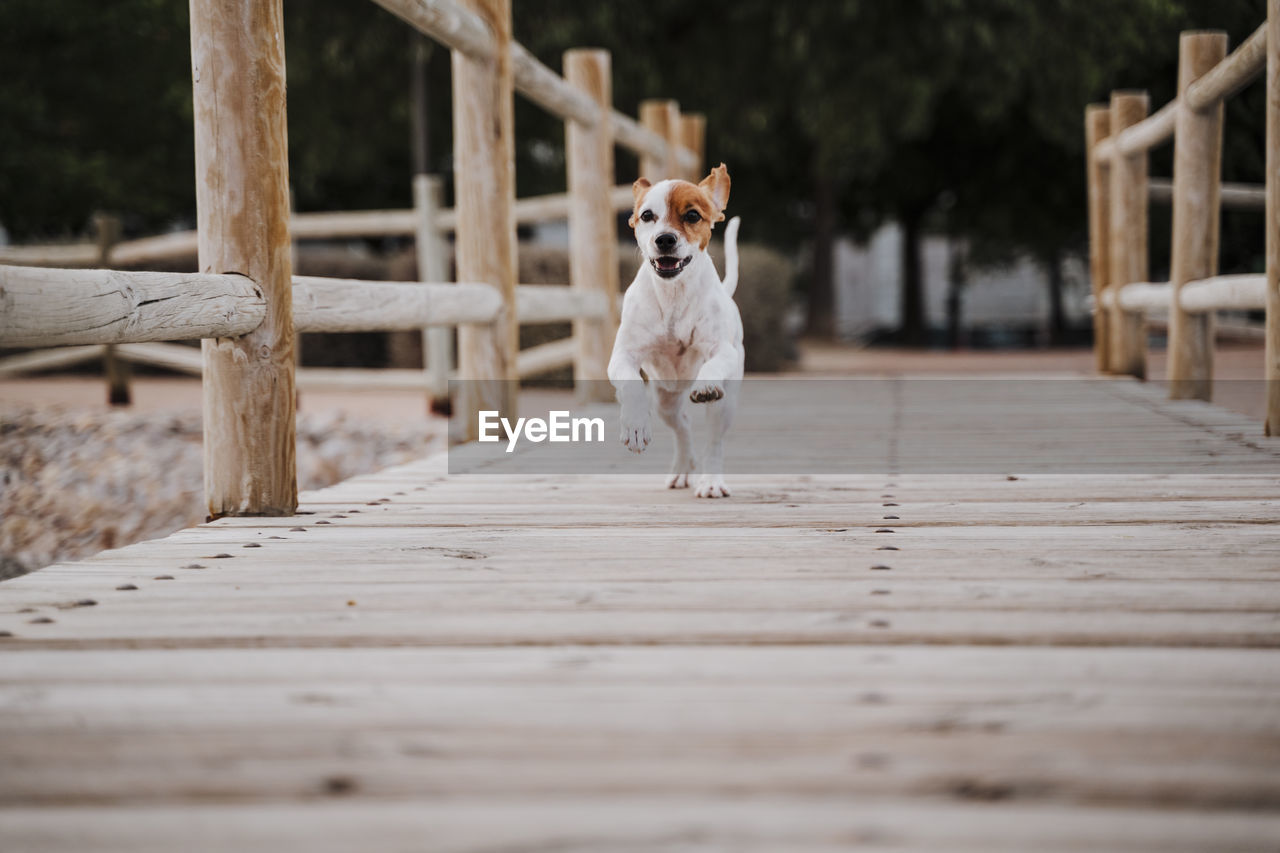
[958, 274]
[1057, 318]
[913, 321]
[822, 291]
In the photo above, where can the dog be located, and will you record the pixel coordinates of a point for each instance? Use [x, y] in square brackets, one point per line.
[680, 335]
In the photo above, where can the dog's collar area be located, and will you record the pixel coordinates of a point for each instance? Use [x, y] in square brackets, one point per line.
[669, 266]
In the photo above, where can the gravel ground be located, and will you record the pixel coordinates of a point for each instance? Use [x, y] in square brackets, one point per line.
[74, 482]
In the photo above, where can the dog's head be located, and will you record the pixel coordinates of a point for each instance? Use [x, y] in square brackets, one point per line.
[673, 219]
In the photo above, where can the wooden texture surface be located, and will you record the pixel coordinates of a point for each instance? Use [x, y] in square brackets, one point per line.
[1097, 127]
[484, 188]
[1128, 251]
[593, 227]
[1272, 420]
[68, 307]
[242, 213]
[1197, 179]
[661, 117]
[1052, 661]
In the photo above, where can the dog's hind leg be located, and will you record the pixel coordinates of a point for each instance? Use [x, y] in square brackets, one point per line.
[672, 409]
[719, 418]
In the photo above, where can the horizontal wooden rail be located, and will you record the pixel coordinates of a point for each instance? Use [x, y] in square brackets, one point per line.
[1220, 293]
[49, 359]
[1245, 64]
[1225, 293]
[56, 307]
[1241, 67]
[546, 357]
[1143, 136]
[327, 225]
[52, 255]
[549, 90]
[44, 307]
[461, 29]
[558, 303]
[1231, 196]
[445, 21]
[348, 305]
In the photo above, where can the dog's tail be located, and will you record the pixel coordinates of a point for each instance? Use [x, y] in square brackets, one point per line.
[731, 255]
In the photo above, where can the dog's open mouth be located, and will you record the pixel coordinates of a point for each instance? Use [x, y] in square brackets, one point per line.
[669, 266]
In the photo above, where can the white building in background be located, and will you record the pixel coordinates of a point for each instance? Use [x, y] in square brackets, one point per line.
[868, 283]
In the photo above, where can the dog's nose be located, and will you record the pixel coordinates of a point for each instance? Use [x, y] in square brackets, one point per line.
[665, 242]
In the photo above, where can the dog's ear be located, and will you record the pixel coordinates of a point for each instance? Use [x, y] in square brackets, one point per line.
[638, 189]
[716, 185]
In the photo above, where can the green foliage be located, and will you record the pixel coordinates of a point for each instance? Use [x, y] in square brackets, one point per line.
[966, 112]
[96, 99]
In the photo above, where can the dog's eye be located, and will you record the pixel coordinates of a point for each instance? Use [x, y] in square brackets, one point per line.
[647, 216]
[692, 217]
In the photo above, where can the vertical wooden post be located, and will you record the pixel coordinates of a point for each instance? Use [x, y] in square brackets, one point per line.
[437, 341]
[242, 202]
[693, 135]
[107, 232]
[1272, 375]
[593, 235]
[1197, 181]
[1097, 127]
[663, 118]
[484, 192]
[1128, 255]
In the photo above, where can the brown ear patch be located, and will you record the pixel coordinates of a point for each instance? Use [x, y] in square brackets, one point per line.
[638, 189]
[716, 185]
[683, 198]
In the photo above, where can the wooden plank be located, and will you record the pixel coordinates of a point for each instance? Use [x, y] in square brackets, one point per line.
[484, 148]
[1128, 250]
[344, 305]
[545, 357]
[638, 823]
[1271, 370]
[34, 362]
[1029, 661]
[593, 243]
[242, 207]
[1197, 178]
[56, 307]
[1229, 75]
[1097, 118]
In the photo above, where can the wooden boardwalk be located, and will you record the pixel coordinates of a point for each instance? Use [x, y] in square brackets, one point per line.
[911, 662]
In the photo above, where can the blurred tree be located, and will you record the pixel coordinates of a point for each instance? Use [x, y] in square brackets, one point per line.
[963, 116]
[96, 99]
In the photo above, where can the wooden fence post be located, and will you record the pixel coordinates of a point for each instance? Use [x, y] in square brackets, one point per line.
[1272, 375]
[484, 192]
[1128, 250]
[107, 231]
[1197, 182]
[593, 233]
[242, 202]
[1097, 127]
[693, 135]
[663, 118]
[433, 266]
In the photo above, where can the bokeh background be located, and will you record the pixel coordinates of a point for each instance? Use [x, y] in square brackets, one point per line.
[959, 119]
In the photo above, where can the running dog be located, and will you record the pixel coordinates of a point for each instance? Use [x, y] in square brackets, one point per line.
[681, 333]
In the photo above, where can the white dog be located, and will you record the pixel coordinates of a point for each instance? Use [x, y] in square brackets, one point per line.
[681, 333]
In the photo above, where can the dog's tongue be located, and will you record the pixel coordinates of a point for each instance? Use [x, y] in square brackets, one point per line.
[667, 263]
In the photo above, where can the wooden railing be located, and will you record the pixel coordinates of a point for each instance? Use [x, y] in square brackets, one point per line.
[1119, 136]
[246, 305]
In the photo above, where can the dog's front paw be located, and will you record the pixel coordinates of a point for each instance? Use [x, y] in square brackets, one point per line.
[635, 434]
[712, 486]
[678, 481]
[706, 392]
